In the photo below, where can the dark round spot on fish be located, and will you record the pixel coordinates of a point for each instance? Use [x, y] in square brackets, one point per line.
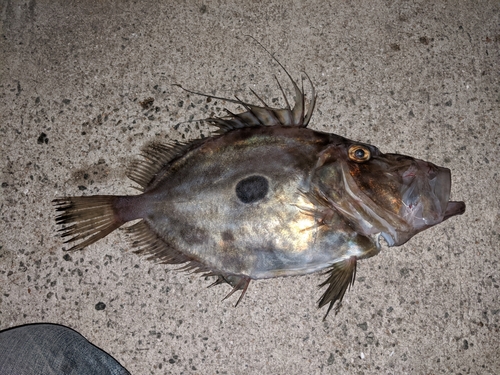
[227, 236]
[252, 189]
[194, 236]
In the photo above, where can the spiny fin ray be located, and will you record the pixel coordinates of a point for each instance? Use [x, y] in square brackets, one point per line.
[146, 242]
[264, 115]
[237, 282]
[155, 157]
[149, 244]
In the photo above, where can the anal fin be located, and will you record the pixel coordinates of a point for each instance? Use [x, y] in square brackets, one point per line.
[342, 276]
[146, 242]
[237, 282]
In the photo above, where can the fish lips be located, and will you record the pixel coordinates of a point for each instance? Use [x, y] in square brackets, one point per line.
[440, 187]
[425, 196]
[454, 208]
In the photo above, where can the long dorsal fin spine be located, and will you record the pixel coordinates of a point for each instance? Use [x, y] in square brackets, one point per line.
[264, 115]
[259, 98]
[312, 104]
[283, 93]
[250, 110]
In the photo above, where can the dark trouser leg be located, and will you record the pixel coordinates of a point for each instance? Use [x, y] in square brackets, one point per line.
[52, 349]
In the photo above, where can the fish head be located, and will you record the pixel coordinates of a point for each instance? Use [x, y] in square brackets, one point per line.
[387, 195]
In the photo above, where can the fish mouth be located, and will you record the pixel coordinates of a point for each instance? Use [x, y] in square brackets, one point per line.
[454, 208]
[425, 194]
[396, 238]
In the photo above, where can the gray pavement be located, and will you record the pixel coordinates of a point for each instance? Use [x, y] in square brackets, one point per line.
[419, 78]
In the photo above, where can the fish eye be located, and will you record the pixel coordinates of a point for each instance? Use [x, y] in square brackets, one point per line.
[359, 153]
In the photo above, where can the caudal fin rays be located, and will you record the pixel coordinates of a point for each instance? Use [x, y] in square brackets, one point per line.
[85, 220]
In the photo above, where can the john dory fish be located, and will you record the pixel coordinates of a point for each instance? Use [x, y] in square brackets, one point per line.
[266, 197]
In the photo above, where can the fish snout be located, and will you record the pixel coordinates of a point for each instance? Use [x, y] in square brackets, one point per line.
[426, 193]
[454, 208]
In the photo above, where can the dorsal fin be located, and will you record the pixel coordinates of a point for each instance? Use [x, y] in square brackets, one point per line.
[265, 115]
[154, 157]
[157, 155]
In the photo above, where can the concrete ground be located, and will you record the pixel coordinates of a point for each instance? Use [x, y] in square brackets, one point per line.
[417, 78]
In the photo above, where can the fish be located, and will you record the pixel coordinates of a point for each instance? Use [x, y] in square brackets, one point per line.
[265, 196]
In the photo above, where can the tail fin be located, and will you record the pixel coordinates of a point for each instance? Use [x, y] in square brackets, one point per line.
[87, 219]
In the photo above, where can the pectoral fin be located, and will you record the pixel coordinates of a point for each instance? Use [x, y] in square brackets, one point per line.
[342, 275]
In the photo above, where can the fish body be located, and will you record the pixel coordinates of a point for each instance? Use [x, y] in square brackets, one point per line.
[268, 197]
[238, 204]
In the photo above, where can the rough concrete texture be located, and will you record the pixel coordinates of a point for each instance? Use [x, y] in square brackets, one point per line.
[418, 78]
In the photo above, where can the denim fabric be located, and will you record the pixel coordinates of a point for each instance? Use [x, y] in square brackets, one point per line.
[52, 349]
